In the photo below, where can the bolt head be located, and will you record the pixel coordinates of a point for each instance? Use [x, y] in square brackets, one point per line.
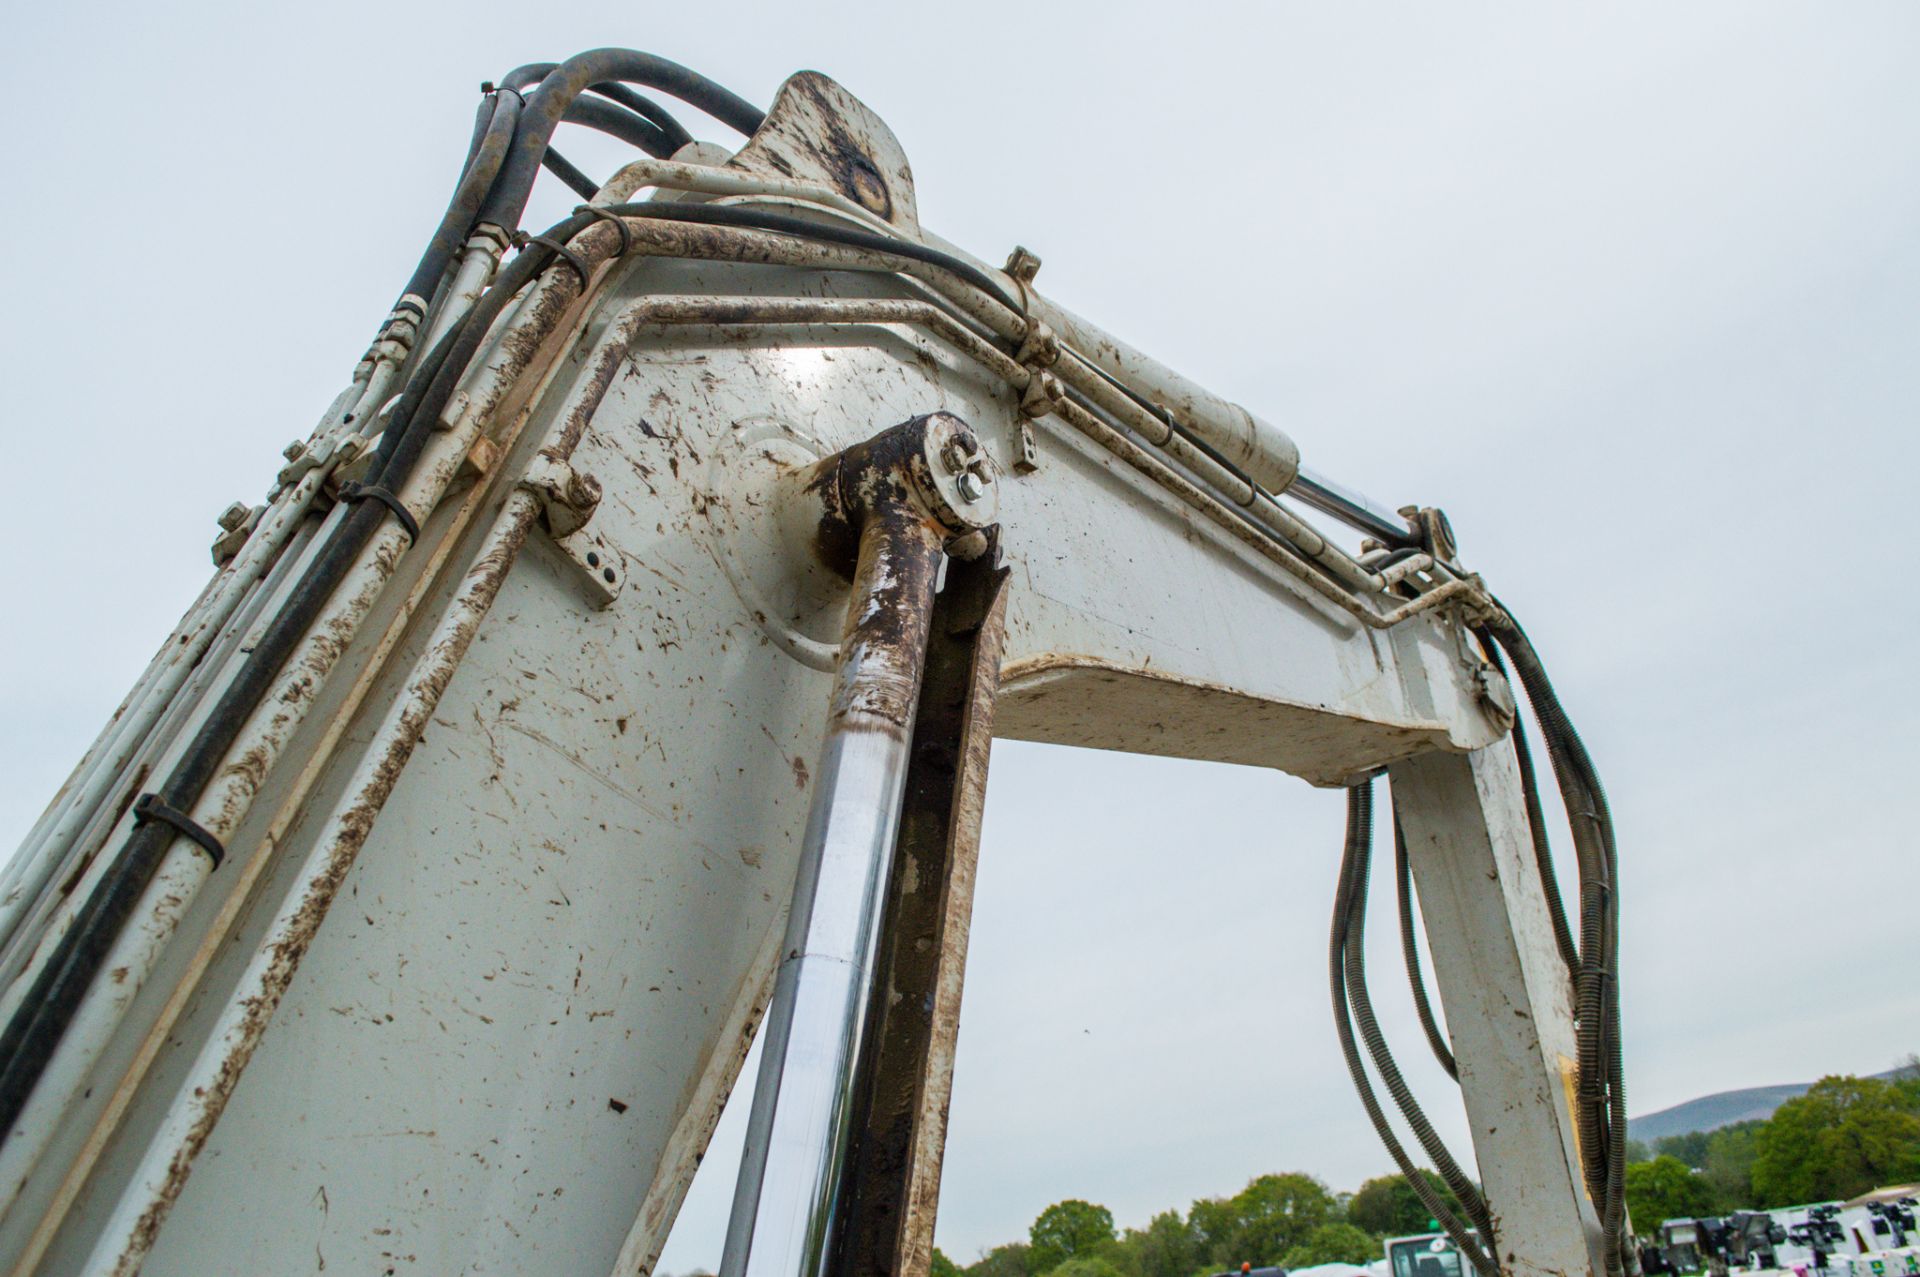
[234, 515]
[293, 450]
[972, 486]
[958, 452]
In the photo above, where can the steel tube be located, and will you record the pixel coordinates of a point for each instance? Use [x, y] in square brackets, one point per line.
[218, 1071]
[226, 802]
[797, 1133]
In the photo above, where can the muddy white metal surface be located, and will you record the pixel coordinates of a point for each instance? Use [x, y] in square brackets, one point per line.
[502, 910]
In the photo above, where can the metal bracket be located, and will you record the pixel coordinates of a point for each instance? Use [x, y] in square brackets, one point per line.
[568, 499]
[1039, 351]
[237, 523]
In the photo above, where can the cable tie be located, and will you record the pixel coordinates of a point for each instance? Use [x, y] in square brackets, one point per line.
[353, 491]
[547, 241]
[151, 808]
[620, 224]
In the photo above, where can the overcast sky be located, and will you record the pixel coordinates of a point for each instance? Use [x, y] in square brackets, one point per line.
[1633, 293]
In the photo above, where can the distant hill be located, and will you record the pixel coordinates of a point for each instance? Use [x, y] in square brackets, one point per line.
[1711, 1112]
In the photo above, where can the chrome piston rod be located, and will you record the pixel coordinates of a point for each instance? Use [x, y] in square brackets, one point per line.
[899, 492]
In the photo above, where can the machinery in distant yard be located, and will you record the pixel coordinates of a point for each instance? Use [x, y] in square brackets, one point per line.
[1424, 1255]
[610, 676]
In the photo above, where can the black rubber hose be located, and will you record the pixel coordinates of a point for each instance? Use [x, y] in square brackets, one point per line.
[33, 1033]
[1601, 1090]
[31, 1036]
[617, 121]
[1359, 840]
[647, 109]
[476, 179]
[523, 78]
[560, 87]
[526, 77]
[482, 116]
[579, 183]
[1462, 1188]
[1543, 851]
[1536, 821]
[35, 1030]
[1410, 950]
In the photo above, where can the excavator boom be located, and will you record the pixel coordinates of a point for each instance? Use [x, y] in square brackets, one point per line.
[610, 678]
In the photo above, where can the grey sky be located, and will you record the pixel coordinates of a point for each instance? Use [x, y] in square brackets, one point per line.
[1634, 294]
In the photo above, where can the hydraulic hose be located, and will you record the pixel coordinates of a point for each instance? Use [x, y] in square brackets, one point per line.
[509, 144]
[1463, 1189]
[1592, 960]
[1410, 949]
[1601, 1087]
[558, 89]
[476, 179]
[31, 1036]
[1349, 898]
[1536, 821]
[525, 77]
[617, 121]
[577, 182]
[647, 109]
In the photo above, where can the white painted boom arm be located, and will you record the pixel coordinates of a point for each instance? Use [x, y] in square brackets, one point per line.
[536, 817]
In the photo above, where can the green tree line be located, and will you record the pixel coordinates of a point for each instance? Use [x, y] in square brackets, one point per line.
[1845, 1136]
[1292, 1220]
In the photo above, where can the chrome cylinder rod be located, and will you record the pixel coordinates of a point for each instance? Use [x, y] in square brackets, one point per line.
[797, 1135]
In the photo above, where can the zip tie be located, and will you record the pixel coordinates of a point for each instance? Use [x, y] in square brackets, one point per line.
[150, 807]
[521, 239]
[353, 491]
[619, 223]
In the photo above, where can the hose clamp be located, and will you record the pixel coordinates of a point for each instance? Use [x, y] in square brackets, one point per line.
[150, 808]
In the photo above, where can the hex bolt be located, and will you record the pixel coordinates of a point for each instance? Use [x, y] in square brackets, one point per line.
[959, 452]
[972, 486]
[234, 516]
[1023, 265]
[582, 492]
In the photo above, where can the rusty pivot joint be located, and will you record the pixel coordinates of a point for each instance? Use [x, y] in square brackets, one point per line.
[931, 472]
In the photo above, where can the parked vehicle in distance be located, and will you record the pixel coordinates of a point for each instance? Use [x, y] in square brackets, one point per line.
[1426, 1255]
